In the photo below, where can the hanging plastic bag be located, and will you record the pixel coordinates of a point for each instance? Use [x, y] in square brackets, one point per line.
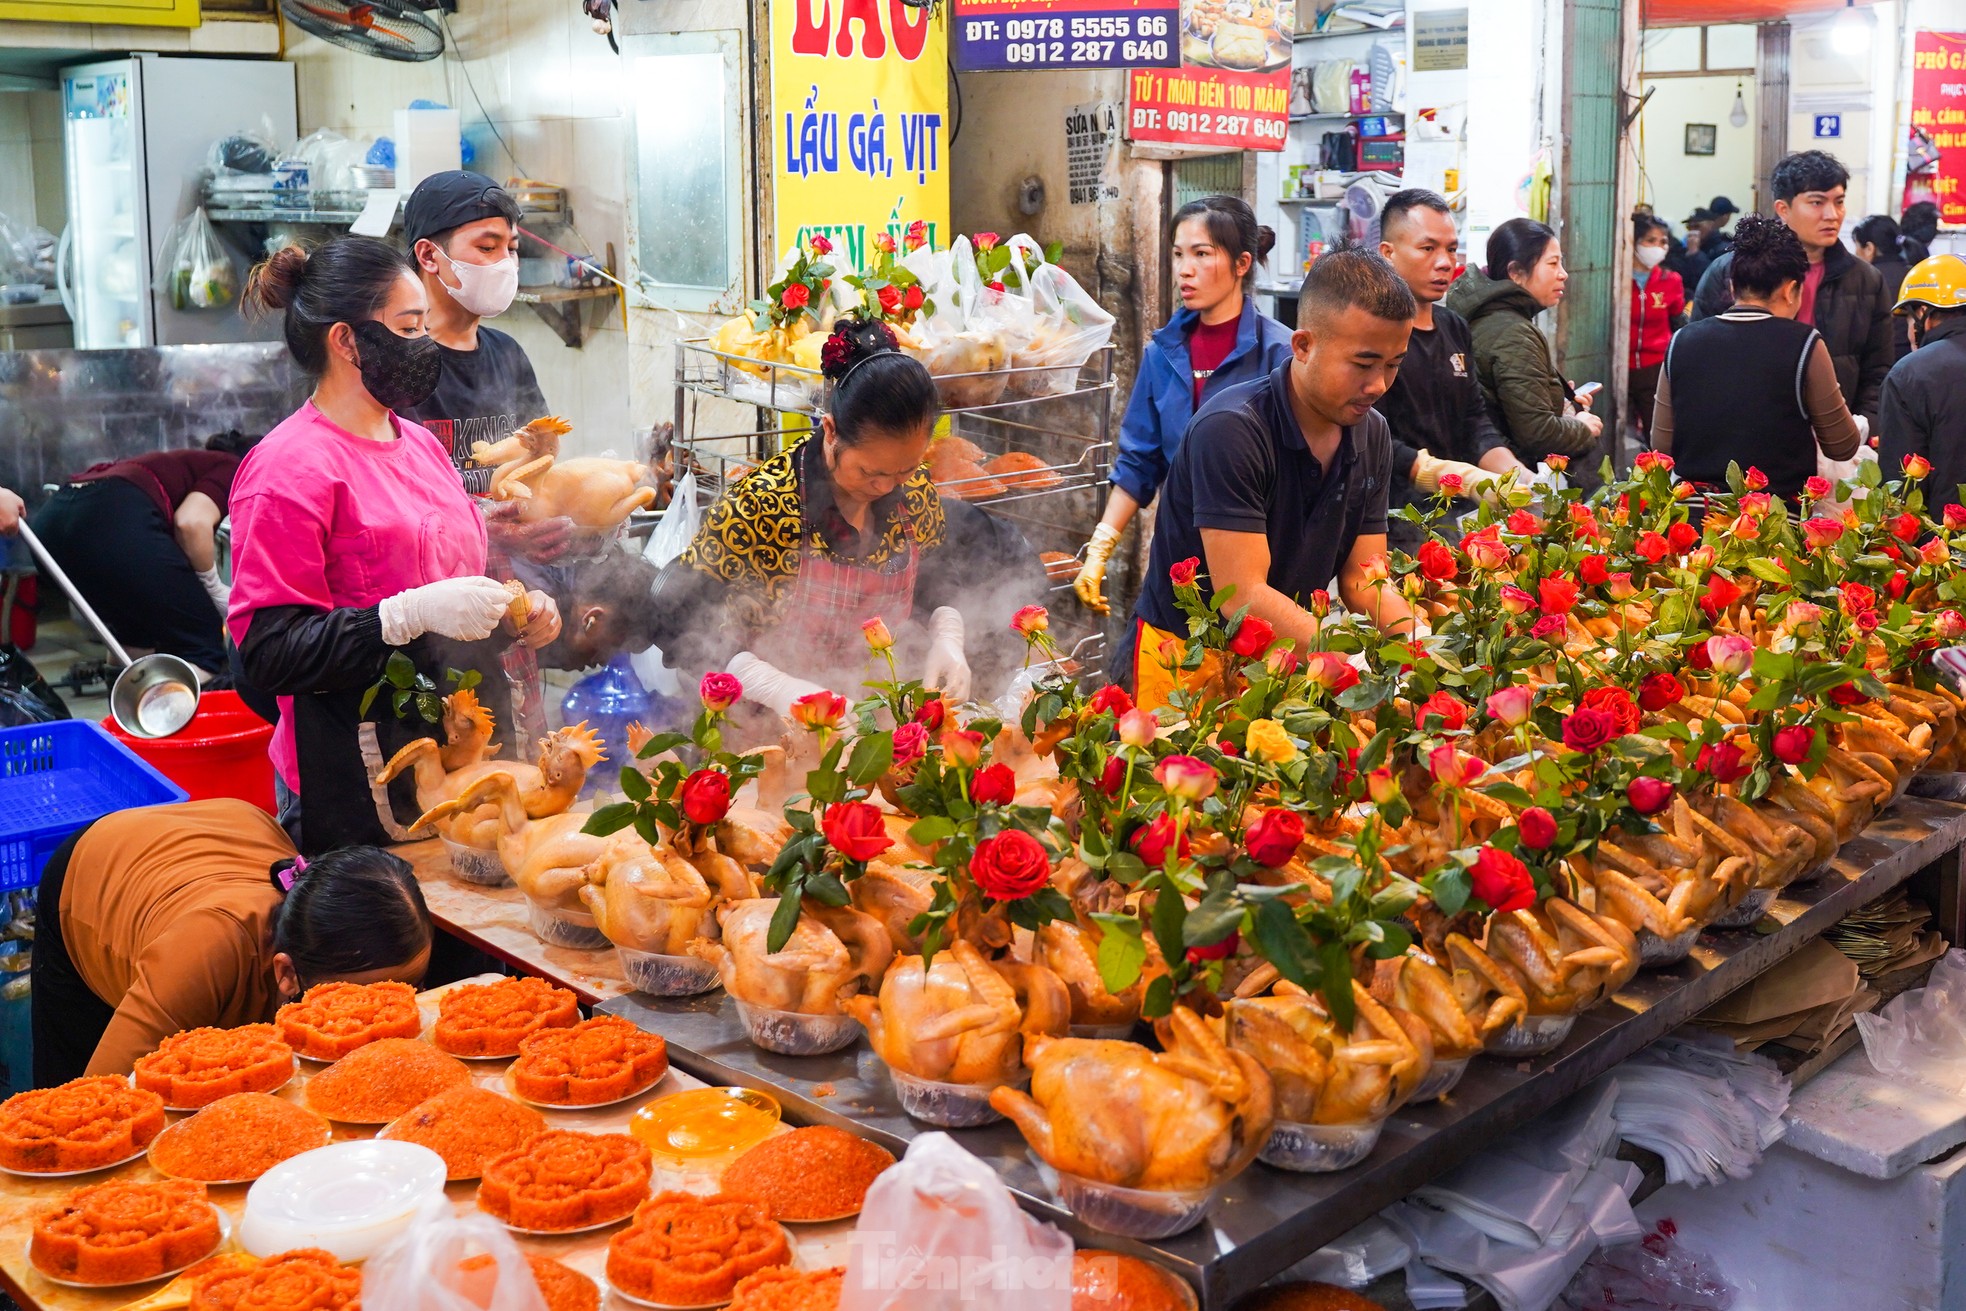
[448, 1262]
[25, 697]
[1655, 1274]
[1070, 326]
[942, 1217]
[1921, 1035]
[671, 536]
[194, 267]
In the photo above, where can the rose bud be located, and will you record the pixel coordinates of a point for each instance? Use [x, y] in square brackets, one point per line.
[1817, 488]
[1949, 624]
[1935, 551]
[1724, 760]
[1451, 483]
[1502, 881]
[1516, 601]
[1917, 466]
[1113, 776]
[856, 830]
[932, 713]
[1701, 559]
[994, 785]
[1185, 777]
[1537, 827]
[1183, 571]
[1955, 515]
[910, 744]
[705, 796]
[1110, 700]
[1657, 691]
[1649, 796]
[1268, 743]
[1331, 671]
[719, 691]
[1282, 662]
[1320, 602]
[817, 710]
[1272, 840]
[1511, 705]
[1619, 587]
[878, 638]
[1730, 653]
[1453, 769]
[1139, 728]
[1557, 463]
[1215, 951]
[1647, 461]
[962, 747]
[1754, 479]
[1382, 787]
[1253, 637]
[1793, 744]
[1682, 537]
[1031, 619]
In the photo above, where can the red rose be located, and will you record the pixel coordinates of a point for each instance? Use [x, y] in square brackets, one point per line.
[1617, 703]
[994, 785]
[1896, 585]
[1273, 839]
[1524, 524]
[706, 796]
[1453, 714]
[1652, 546]
[1556, 594]
[1585, 729]
[1502, 881]
[1113, 776]
[1537, 827]
[1649, 796]
[1110, 699]
[913, 298]
[856, 830]
[1682, 537]
[1955, 515]
[1010, 866]
[911, 742]
[1151, 842]
[1253, 637]
[1794, 743]
[1183, 571]
[719, 691]
[1216, 951]
[1657, 691]
[795, 296]
[1437, 560]
[889, 298]
[1594, 570]
[932, 713]
[1720, 594]
[1846, 694]
[1905, 527]
[1725, 761]
[1698, 657]
[1549, 628]
[1754, 479]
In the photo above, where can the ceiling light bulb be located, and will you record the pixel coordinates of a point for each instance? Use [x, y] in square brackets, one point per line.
[1849, 35]
[1738, 116]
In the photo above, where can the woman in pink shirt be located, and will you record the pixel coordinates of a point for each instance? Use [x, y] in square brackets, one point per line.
[352, 538]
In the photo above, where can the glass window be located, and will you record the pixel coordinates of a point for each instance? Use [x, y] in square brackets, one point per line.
[1671, 50]
[1731, 45]
[687, 165]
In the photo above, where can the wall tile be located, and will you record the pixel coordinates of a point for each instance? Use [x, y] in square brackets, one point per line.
[539, 66]
[598, 85]
[16, 179]
[43, 115]
[50, 187]
[14, 122]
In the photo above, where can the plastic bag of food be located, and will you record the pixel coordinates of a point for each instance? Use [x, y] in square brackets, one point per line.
[1068, 326]
[962, 346]
[1921, 1035]
[1658, 1273]
[241, 153]
[448, 1262]
[940, 1232]
[194, 267]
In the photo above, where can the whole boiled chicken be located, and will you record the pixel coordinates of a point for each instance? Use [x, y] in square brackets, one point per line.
[1322, 1073]
[963, 1018]
[831, 955]
[1114, 1112]
[652, 900]
[464, 802]
[596, 494]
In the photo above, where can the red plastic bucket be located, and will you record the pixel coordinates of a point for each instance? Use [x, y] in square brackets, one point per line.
[220, 753]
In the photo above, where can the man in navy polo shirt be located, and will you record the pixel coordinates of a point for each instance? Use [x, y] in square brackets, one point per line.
[1280, 485]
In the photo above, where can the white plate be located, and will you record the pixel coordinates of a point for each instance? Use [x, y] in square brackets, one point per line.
[347, 1197]
[563, 1233]
[791, 1245]
[70, 1174]
[193, 1110]
[224, 1237]
[513, 1093]
[327, 1136]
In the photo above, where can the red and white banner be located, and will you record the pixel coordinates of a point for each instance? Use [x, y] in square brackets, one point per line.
[1938, 108]
[1197, 106]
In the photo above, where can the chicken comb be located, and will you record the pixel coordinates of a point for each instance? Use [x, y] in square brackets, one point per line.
[583, 741]
[464, 703]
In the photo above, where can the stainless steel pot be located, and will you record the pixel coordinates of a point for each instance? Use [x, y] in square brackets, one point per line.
[153, 697]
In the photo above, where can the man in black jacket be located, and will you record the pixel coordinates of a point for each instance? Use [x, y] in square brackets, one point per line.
[1843, 298]
[1925, 395]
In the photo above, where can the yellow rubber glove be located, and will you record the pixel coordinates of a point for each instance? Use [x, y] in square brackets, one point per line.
[1092, 575]
[1428, 470]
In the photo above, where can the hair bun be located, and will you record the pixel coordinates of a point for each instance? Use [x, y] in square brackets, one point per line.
[853, 340]
[1266, 241]
[275, 281]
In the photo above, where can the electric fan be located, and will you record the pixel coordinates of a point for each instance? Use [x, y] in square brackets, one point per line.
[387, 29]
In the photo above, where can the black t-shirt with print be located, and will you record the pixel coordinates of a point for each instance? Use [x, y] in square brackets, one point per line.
[1244, 467]
[482, 395]
[1435, 405]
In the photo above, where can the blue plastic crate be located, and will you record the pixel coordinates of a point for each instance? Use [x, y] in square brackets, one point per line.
[54, 778]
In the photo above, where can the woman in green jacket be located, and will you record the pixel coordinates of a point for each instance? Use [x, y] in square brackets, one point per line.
[1526, 393]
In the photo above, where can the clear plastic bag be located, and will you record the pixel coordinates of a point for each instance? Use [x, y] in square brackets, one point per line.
[940, 1232]
[1655, 1274]
[424, 1268]
[670, 538]
[195, 270]
[1921, 1035]
[1068, 326]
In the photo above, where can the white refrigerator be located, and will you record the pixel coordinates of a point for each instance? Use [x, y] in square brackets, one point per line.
[136, 133]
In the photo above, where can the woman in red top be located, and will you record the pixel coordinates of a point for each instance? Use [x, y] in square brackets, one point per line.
[139, 538]
[1658, 311]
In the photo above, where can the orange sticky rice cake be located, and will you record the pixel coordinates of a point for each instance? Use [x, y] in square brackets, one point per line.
[493, 1018]
[814, 1173]
[467, 1127]
[333, 1019]
[305, 1279]
[781, 1288]
[376, 1083]
[563, 1287]
[83, 1124]
[596, 1061]
[687, 1250]
[237, 1138]
[564, 1180]
[122, 1233]
[197, 1067]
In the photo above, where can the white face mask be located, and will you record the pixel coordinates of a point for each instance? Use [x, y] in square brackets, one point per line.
[485, 290]
[1651, 256]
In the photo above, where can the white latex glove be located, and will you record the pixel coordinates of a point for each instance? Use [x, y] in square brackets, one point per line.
[1863, 429]
[946, 670]
[769, 686]
[464, 609]
[215, 588]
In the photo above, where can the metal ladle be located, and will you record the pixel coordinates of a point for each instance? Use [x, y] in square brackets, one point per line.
[153, 697]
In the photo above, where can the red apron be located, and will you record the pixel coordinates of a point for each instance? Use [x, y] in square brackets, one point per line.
[819, 624]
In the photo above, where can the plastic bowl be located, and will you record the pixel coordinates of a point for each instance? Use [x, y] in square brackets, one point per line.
[1655, 952]
[1319, 1148]
[1132, 1212]
[1532, 1035]
[666, 976]
[793, 1033]
[476, 865]
[349, 1198]
[1748, 911]
[948, 1105]
[1441, 1080]
[564, 928]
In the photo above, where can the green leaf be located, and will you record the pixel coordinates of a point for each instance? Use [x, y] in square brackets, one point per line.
[872, 757]
[1335, 983]
[467, 680]
[1217, 915]
[609, 819]
[1170, 915]
[826, 888]
[1450, 887]
[926, 833]
[1393, 941]
[429, 707]
[1510, 794]
[399, 671]
[826, 785]
[1126, 867]
[368, 699]
[1769, 572]
[1279, 939]
[1122, 951]
[645, 827]
[1160, 997]
[634, 784]
[400, 702]
[660, 743]
[784, 919]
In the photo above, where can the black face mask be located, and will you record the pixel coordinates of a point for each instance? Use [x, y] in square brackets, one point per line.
[400, 372]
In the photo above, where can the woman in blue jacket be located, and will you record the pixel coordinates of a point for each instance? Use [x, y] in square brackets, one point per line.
[1216, 339]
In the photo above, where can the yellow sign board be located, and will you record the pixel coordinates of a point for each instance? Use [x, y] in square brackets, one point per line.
[860, 98]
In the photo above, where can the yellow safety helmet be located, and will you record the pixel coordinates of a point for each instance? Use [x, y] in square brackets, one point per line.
[1938, 281]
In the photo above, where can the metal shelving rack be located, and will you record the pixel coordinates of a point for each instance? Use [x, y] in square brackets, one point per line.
[1061, 416]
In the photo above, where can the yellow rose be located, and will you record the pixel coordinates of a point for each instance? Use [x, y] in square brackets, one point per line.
[1269, 743]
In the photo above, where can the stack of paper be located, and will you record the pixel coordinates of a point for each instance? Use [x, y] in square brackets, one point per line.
[1804, 1003]
[1707, 1110]
[1891, 934]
